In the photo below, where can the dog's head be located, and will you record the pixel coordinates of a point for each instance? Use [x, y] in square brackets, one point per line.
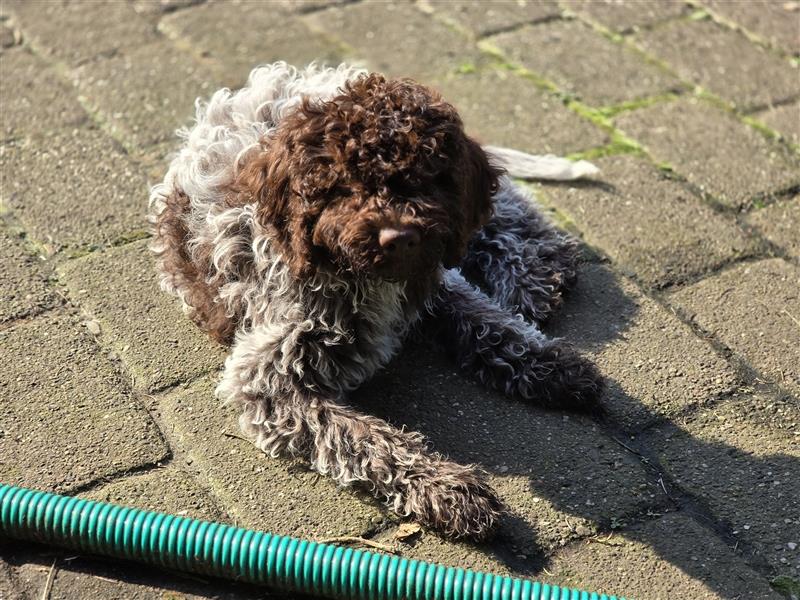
[381, 181]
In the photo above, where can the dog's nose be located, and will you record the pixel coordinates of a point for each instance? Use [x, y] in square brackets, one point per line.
[398, 240]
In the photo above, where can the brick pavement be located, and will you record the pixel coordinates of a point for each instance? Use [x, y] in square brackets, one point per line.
[688, 300]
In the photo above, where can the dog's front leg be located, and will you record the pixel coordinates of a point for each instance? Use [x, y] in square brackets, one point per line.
[508, 354]
[286, 411]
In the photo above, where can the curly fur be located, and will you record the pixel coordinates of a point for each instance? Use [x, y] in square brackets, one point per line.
[266, 226]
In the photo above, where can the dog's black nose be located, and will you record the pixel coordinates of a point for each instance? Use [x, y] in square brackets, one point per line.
[398, 240]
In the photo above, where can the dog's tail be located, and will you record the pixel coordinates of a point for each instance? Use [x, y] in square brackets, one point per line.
[528, 166]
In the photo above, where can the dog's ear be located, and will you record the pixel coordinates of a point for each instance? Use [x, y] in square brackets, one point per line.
[268, 180]
[479, 181]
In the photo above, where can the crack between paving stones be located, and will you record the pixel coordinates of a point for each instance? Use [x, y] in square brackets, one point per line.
[683, 502]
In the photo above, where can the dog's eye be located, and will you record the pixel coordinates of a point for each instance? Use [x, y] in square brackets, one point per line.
[400, 186]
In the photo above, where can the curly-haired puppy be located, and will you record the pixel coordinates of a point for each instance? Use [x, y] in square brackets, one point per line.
[311, 220]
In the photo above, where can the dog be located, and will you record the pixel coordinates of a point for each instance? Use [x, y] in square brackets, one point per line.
[315, 218]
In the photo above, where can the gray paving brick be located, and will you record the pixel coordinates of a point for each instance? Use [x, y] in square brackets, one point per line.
[86, 578]
[503, 109]
[258, 491]
[78, 32]
[776, 22]
[785, 120]
[79, 576]
[73, 189]
[11, 587]
[24, 286]
[723, 61]
[713, 150]
[485, 18]
[558, 489]
[650, 226]
[549, 49]
[7, 36]
[661, 559]
[42, 100]
[68, 417]
[145, 93]
[753, 309]
[422, 48]
[145, 326]
[235, 41]
[430, 547]
[624, 17]
[157, 7]
[655, 366]
[167, 489]
[742, 458]
[780, 223]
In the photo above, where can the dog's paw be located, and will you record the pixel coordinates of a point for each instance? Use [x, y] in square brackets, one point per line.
[454, 501]
[559, 377]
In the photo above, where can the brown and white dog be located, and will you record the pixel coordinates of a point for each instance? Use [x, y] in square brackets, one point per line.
[314, 218]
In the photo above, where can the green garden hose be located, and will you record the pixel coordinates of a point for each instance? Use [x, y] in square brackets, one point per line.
[244, 555]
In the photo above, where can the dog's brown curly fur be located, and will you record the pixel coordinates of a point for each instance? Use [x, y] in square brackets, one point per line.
[382, 152]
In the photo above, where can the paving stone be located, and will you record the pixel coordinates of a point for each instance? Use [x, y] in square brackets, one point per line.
[24, 288]
[42, 101]
[157, 7]
[655, 366]
[272, 494]
[776, 22]
[714, 151]
[77, 576]
[371, 29]
[503, 109]
[10, 586]
[168, 489]
[560, 476]
[271, 34]
[785, 120]
[303, 6]
[624, 17]
[141, 102]
[780, 223]
[550, 50]
[68, 416]
[741, 458]
[652, 227]
[75, 189]
[486, 18]
[723, 61]
[753, 309]
[7, 39]
[432, 548]
[79, 32]
[144, 325]
[146, 93]
[665, 558]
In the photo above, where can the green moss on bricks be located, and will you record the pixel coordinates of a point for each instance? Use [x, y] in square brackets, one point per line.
[466, 69]
[620, 143]
[783, 584]
[699, 15]
[612, 111]
[132, 236]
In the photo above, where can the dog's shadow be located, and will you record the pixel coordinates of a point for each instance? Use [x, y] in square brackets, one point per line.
[575, 469]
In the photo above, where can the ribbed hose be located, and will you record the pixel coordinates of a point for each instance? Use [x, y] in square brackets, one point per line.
[255, 557]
